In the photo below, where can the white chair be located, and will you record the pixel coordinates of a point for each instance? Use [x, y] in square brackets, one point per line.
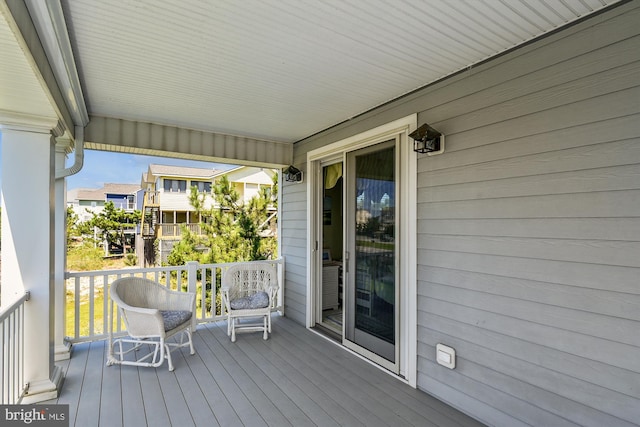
[152, 314]
[249, 290]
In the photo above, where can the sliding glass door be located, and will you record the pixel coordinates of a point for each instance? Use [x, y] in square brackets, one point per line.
[371, 311]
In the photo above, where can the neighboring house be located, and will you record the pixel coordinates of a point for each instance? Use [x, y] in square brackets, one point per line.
[89, 202]
[86, 202]
[123, 196]
[166, 206]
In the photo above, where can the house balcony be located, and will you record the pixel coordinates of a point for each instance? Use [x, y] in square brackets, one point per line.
[296, 377]
[175, 230]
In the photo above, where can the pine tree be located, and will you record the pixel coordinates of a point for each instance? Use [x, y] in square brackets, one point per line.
[112, 222]
[231, 230]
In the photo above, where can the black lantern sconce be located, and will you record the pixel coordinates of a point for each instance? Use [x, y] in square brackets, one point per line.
[427, 140]
[292, 174]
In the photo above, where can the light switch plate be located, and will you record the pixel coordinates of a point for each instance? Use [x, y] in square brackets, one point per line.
[446, 356]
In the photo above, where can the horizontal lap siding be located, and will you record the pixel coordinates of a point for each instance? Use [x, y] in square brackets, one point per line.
[529, 233]
[294, 240]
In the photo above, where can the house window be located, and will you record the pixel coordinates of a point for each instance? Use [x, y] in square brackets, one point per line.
[202, 186]
[175, 185]
[131, 203]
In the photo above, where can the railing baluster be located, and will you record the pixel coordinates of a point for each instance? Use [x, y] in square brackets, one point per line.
[76, 308]
[92, 311]
[12, 352]
[105, 304]
[21, 381]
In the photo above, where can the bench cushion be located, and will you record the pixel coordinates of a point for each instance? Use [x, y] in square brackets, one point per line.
[251, 302]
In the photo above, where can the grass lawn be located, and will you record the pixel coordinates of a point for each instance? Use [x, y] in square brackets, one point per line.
[98, 315]
[99, 312]
[376, 245]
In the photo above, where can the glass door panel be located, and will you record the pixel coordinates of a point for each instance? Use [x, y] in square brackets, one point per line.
[371, 239]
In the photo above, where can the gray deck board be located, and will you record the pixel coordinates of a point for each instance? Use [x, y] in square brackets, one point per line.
[307, 395]
[131, 392]
[177, 405]
[292, 414]
[349, 397]
[220, 406]
[295, 378]
[90, 397]
[367, 376]
[111, 398]
[74, 374]
[194, 396]
[376, 397]
[242, 405]
[153, 400]
[246, 382]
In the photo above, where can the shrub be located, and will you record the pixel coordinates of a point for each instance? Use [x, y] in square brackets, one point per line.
[84, 257]
[131, 260]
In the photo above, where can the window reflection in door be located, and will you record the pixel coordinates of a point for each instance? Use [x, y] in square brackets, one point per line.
[375, 244]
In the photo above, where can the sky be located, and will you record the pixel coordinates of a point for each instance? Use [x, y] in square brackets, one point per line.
[102, 167]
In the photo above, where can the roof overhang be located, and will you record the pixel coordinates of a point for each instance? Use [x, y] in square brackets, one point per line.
[242, 81]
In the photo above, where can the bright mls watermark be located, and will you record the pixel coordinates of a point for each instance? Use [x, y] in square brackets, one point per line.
[34, 415]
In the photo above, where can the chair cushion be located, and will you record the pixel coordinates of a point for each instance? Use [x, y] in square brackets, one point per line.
[174, 318]
[257, 300]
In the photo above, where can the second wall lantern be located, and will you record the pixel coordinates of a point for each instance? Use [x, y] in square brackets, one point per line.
[427, 140]
[292, 174]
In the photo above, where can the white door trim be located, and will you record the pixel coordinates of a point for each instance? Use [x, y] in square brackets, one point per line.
[407, 232]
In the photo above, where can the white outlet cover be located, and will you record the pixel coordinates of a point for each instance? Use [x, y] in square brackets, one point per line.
[446, 356]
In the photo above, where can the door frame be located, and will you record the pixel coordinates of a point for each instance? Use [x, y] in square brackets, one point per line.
[407, 232]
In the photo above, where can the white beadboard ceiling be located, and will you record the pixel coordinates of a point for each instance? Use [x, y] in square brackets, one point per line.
[21, 93]
[285, 69]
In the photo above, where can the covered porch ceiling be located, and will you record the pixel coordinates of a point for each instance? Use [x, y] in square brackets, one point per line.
[274, 70]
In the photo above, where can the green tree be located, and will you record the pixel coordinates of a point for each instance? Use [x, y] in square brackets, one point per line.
[74, 231]
[112, 222]
[230, 230]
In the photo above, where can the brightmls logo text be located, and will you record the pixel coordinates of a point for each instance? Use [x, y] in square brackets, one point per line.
[34, 415]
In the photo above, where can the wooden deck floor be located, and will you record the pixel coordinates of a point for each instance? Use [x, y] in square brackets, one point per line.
[295, 378]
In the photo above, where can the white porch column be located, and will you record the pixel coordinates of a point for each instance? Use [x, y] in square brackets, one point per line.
[28, 166]
[62, 349]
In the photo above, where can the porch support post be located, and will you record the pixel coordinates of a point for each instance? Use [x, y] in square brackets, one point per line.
[192, 275]
[28, 165]
[62, 349]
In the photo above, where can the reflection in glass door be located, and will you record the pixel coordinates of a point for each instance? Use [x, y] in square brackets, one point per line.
[371, 320]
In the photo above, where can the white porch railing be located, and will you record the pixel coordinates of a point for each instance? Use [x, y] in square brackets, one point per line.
[87, 299]
[13, 385]
[175, 230]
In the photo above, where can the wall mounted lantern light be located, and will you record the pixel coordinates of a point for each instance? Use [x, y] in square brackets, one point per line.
[292, 174]
[427, 140]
